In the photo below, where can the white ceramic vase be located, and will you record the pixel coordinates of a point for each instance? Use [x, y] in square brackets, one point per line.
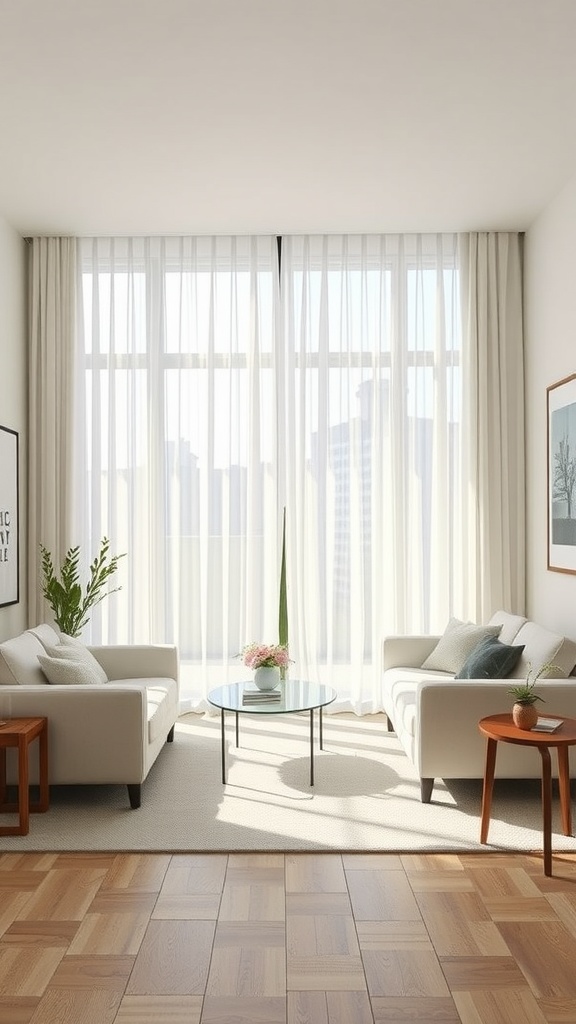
[267, 677]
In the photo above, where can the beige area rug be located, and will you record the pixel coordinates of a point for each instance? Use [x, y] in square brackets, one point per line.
[366, 797]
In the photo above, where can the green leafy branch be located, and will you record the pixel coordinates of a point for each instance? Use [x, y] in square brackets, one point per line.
[64, 592]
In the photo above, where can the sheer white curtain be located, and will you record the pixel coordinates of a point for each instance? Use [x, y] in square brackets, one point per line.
[373, 412]
[51, 396]
[179, 343]
[373, 388]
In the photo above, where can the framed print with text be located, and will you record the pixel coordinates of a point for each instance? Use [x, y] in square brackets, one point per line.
[561, 402]
[9, 539]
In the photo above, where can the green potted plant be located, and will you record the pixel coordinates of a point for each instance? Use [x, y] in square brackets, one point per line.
[69, 603]
[524, 712]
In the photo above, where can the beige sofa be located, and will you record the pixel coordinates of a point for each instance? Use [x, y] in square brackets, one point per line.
[99, 732]
[436, 715]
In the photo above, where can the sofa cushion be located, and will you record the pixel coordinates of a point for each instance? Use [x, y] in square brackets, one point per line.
[542, 647]
[456, 644]
[491, 659]
[19, 661]
[511, 625]
[45, 634]
[64, 672]
[74, 652]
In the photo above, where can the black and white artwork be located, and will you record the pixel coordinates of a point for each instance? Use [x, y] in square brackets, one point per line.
[562, 475]
[9, 539]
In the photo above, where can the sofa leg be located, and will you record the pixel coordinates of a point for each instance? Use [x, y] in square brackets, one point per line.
[170, 736]
[426, 787]
[135, 794]
[389, 723]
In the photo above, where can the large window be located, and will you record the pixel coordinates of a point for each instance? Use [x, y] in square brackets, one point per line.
[217, 390]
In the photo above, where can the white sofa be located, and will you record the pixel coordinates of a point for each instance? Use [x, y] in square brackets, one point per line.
[103, 732]
[435, 715]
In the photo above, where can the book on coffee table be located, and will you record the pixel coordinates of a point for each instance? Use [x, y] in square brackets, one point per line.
[256, 696]
[547, 725]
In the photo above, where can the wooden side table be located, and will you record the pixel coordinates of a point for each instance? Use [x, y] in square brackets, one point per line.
[501, 727]
[19, 733]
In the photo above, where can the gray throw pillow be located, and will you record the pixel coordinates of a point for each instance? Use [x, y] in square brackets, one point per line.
[456, 644]
[491, 659]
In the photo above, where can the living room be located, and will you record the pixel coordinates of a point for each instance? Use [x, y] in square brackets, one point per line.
[328, 154]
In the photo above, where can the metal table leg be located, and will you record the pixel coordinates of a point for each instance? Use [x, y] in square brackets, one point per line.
[223, 738]
[311, 747]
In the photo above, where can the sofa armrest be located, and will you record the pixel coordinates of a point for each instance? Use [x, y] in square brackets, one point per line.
[138, 661]
[97, 733]
[449, 743]
[406, 651]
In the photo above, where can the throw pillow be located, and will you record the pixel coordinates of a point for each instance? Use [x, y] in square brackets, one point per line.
[63, 672]
[491, 659]
[457, 643]
[77, 653]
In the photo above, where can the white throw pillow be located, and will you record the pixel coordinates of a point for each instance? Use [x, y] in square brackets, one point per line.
[65, 672]
[456, 645]
[77, 652]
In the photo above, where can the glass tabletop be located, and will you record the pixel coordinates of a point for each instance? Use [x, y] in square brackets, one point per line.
[297, 695]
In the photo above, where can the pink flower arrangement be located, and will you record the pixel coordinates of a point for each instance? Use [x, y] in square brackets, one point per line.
[270, 655]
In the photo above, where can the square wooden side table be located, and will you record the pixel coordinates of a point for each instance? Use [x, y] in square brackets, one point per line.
[19, 733]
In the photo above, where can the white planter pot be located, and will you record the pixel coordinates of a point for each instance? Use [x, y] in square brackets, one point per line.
[267, 677]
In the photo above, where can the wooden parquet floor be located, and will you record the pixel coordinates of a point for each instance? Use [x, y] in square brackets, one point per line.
[287, 939]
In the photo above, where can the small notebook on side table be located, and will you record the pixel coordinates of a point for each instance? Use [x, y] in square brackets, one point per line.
[547, 725]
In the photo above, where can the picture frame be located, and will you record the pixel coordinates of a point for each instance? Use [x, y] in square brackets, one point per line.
[9, 518]
[561, 475]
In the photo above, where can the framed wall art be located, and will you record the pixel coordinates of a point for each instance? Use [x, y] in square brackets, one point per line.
[561, 403]
[9, 524]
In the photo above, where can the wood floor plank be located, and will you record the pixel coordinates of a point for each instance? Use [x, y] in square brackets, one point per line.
[195, 874]
[321, 936]
[63, 895]
[326, 973]
[546, 954]
[18, 1010]
[72, 1006]
[250, 897]
[315, 903]
[93, 973]
[459, 924]
[159, 1010]
[329, 1008]
[41, 933]
[372, 862]
[137, 872]
[404, 973]
[109, 935]
[511, 908]
[563, 906]
[417, 1010]
[507, 1006]
[12, 903]
[558, 1011]
[173, 959]
[441, 881]
[315, 873]
[392, 935]
[381, 896]
[465, 973]
[245, 1010]
[27, 971]
[187, 908]
[14, 862]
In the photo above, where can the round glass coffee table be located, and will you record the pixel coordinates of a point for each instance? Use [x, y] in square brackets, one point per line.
[296, 696]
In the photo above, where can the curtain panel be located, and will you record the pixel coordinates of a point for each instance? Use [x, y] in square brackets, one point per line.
[368, 384]
[52, 394]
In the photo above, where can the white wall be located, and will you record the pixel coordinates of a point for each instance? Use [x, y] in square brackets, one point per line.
[13, 388]
[550, 332]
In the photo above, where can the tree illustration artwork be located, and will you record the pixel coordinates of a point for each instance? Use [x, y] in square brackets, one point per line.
[564, 475]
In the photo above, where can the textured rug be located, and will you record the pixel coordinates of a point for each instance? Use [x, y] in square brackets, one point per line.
[366, 797]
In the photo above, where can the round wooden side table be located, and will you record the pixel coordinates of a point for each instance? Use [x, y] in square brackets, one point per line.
[501, 728]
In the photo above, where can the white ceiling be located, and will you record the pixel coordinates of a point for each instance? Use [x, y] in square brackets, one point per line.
[284, 116]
